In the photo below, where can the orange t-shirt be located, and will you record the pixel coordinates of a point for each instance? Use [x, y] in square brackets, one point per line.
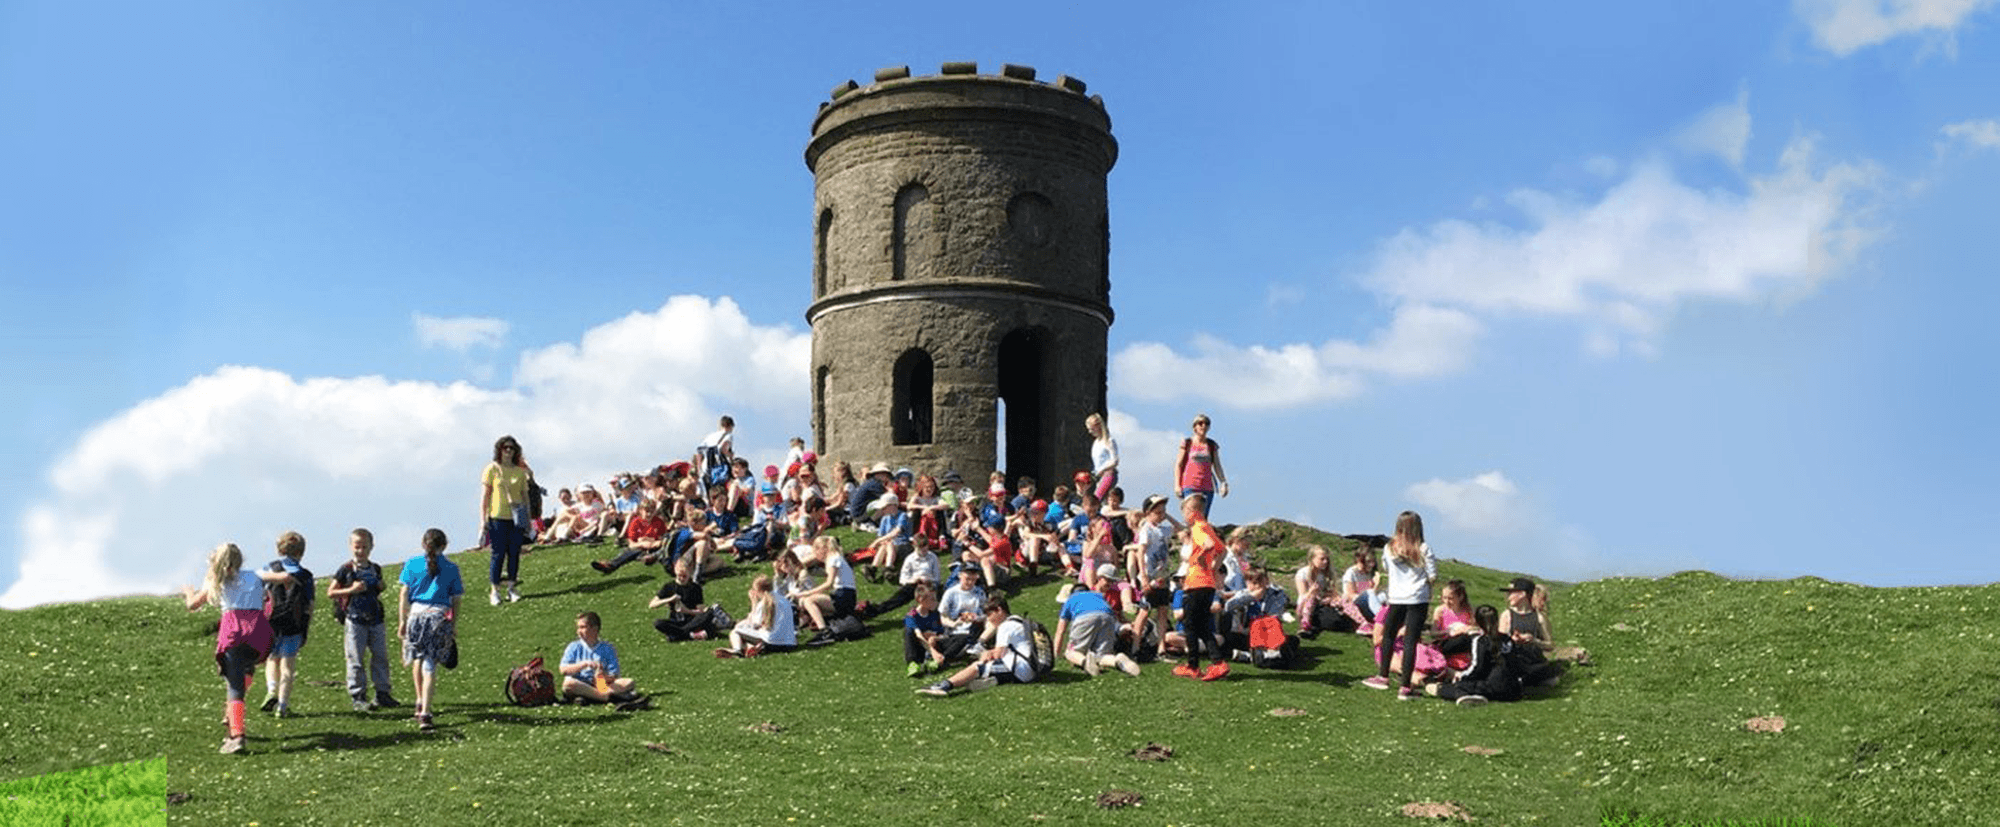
[1206, 554]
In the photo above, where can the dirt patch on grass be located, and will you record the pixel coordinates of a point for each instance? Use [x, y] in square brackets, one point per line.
[178, 798]
[1484, 751]
[1286, 712]
[766, 727]
[1768, 723]
[1436, 810]
[1153, 752]
[1114, 799]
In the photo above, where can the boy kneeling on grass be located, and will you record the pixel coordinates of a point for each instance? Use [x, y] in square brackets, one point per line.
[590, 669]
[1004, 661]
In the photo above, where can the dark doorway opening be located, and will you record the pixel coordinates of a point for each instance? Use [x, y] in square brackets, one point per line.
[911, 412]
[1020, 431]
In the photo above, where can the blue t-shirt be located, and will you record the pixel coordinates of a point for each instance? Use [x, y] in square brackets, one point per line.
[724, 521]
[933, 622]
[579, 652]
[424, 588]
[992, 516]
[1084, 602]
[897, 524]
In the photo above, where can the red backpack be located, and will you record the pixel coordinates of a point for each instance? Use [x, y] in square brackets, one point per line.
[531, 685]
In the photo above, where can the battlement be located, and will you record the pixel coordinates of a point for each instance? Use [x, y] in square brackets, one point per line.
[1015, 92]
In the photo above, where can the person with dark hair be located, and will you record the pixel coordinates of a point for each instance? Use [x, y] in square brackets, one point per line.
[1006, 659]
[1488, 676]
[429, 611]
[503, 506]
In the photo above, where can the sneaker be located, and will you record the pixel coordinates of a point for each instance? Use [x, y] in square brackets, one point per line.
[493, 596]
[1092, 666]
[424, 723]
[698, 634]
[384, 700]
[233, 745]
[914, 669]
[601, 566]
[726, 652]
[1376, 682]
[283, 711]
[1127, 665]
[634, 704]
[1472, 700]
[1289, 617]
[1365, 629]
[936, 690]
[1216, 671]
[1186, 671]
[361, 705]
[753, 650]
[981, 684]
[1406, 693]
[513, 594]
[270, 704]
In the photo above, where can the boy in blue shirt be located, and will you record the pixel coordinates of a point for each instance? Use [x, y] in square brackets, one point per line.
[923, 630]
[1092, 634]
[357, 591]
[590, 669]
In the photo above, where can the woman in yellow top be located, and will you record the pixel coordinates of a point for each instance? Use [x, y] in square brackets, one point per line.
[503, 503]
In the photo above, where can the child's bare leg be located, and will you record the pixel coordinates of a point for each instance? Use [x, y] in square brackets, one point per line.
[814, 612]
[573, 688]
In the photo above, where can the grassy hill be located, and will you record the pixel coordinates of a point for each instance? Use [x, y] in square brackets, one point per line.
[1888, 694]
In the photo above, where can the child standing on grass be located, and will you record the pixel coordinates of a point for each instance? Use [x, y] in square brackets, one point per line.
[590, 668]
[357, 589]
[1204, 571]
[244, 638]
[1411, 570]
[429, 612]
[290, 608]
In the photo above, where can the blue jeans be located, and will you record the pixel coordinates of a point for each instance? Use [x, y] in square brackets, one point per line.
[1207, 499]
[505, 538]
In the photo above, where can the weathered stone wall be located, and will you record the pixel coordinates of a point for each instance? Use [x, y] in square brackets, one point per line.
[950, 212]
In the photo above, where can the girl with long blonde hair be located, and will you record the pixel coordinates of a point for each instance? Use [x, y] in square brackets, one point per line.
[244, 638]
[1412, 568]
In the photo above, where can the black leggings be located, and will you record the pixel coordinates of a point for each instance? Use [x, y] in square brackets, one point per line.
[1409, 618]
[1197, 614]
[239, 662]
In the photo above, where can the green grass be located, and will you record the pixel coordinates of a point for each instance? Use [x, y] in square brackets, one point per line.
[114, 795]
[1890, 704]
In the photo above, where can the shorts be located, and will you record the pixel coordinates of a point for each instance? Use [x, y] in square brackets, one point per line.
[1160, 597]
[843, 602]
[999, 670]
[288, 646]
[1093, 634]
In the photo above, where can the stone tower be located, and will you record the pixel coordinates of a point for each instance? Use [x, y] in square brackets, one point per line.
[961, 272]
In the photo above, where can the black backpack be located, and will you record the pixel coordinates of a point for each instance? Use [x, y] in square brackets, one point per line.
[289, 605]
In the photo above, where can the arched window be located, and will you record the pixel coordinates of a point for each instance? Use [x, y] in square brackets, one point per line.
[910, 411]
[819, 251]
[912, 238]
[819, 406]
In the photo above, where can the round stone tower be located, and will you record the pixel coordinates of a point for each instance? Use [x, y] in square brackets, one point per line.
[961, 272]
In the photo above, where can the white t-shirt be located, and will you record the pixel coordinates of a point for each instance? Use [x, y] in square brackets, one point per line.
[1154, 554]
[1409, 584]
[922, 565]
[843, 574]
[245, 591]
[784, 627]
[1361, 582]
[1103, 455]
[1013, 637]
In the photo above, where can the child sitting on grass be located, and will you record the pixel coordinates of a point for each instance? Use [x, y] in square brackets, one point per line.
[919, 569]
[1087, 630]
[768, 626]
[923, 629]
[687, 613]
[1488, 677]
[1006, 660]
[590, 669]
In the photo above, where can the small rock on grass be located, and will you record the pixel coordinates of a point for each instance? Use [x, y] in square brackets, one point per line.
[178, 798]
[1768, 723]
[1486, 751]
[1113, 799]
[1439, 810]
[1153, 752]
[1287, 712]
[766, 727]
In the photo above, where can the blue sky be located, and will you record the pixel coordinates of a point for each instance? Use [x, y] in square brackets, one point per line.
[1597, 288]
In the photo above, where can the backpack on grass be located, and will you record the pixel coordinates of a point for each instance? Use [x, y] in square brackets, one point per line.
[531, 685]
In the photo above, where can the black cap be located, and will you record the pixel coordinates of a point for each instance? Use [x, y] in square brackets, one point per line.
[1520, 584]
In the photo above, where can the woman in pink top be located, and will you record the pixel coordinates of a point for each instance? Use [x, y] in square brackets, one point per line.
[1198, 469]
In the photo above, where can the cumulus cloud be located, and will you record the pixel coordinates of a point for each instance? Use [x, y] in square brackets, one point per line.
[1723, 131]
[1624, 260]
[1419, 341]
[1487, 517]
[244, 453]
[459, 333]
[1846, 26]
[1975, 134]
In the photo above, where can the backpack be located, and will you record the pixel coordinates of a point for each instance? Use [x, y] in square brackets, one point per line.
[289, 605]
[530, 685]
[1041, 647]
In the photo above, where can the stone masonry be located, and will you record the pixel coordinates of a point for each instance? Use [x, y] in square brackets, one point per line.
[961, 258]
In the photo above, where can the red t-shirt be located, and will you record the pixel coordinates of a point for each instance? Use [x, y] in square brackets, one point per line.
[642, 527]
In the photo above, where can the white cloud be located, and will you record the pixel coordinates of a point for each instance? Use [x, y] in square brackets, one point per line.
[1487, 504]
[1626, 259]
[1845, 26]
[1976, 134]
[1489, 519]
[458, 333]
[1420, 341]
[244, 453]
[1723, 130]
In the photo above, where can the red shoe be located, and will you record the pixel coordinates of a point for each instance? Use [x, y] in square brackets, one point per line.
[1186, 671]
[1216, 671]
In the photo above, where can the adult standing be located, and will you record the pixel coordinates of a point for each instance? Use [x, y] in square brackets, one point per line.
[1198, 469]
[503, 503]
[429, 611]
[1103, 455]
